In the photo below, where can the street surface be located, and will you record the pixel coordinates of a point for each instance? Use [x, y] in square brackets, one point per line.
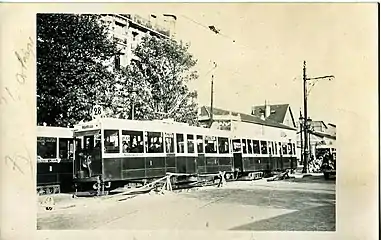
[306, 204]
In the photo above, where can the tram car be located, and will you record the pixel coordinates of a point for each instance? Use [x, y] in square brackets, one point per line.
[55, 152]
[262, 149]
[120, 151]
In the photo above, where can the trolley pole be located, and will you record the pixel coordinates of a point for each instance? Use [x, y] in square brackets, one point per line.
[306, 119]
[211, 102]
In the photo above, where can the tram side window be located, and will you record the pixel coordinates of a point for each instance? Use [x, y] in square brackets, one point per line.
[256, 148]
[111, 141]
[180, 143]
[155, 142]
[169, 143]
[280, 148]
[223, 144]
[200, 144]
[190, 139]
[263, 147]
[284, 148]
[275, 149]
[132, 141]
[210, 144]
[293, 149]
[78, 144]
[236, 145]
[270, 148]
[249, 146]
[46, 147]
[66, 149]
[244, 146]
[289, 148]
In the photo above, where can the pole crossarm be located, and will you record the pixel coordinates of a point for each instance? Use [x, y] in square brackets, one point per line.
[329, 77]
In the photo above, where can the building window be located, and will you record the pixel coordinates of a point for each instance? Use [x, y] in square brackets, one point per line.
[132, 141]
[117, 62]
[190, 139]
[180, 143]
[169, 143]
[111, 141]
[210, 144]
[155, 142]
[223, 145]
[200, 144]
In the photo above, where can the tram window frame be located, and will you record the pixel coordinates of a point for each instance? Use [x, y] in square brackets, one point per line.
[256, 147]
[264, 146]
[151, 136]
[178, 143]
[244, 146]
[67, 149]
[130, 135]
[115, 147]
[275, 147]
[215, 144]
[289, 145]
[249, 146]
[293, 149]
[236, 150]
[225, 142]
[171, 144]
[190, 143]
[52, 147]
[284, 148]
[200, 144]
[270, 148]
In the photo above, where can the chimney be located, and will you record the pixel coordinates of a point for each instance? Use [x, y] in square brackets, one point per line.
[267, 110]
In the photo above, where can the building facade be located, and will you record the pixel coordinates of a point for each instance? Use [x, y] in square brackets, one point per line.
[320, 133]
[129, 29]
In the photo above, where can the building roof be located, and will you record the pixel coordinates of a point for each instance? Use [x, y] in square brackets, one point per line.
[277, 112]
[323, 135]
[205, 112]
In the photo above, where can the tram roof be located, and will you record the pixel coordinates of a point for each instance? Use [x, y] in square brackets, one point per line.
[49, 131]
[147, 125]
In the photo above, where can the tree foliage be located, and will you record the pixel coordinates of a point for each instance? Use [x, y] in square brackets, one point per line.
[72, 74]
[159, 78]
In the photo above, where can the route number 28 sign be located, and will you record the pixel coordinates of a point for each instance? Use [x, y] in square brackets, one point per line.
[97, 111]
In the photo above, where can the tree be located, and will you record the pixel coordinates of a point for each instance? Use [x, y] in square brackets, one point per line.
[73, 60]
[159, 78]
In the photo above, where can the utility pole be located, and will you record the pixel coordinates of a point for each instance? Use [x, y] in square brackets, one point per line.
[301, 136]
[211, 97]
[306, 119]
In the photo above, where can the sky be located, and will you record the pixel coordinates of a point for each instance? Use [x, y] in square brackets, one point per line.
[265, 63]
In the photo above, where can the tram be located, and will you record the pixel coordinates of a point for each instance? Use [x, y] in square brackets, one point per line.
[118, 151]
[55, 152]
[263, 149]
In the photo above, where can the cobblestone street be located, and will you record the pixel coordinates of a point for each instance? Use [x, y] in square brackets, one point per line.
[306, 204]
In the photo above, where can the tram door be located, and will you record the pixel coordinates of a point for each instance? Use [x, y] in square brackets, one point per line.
[237, 155]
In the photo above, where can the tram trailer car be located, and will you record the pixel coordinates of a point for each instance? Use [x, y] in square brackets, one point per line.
[120, 151]
[263, 149]
[55, 151]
